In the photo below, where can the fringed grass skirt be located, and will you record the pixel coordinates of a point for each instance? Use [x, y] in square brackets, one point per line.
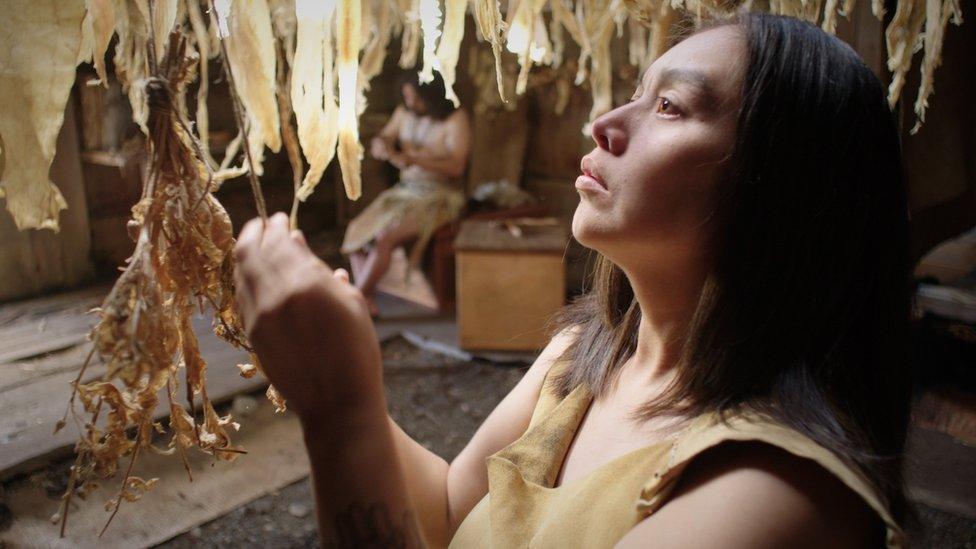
[426, 205]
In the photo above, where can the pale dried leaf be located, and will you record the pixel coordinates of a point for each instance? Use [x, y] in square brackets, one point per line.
[275, 397]
[430, 23]
[34, 85]
[450, 45]
[312, 85]
[250, 47]
[348, 41]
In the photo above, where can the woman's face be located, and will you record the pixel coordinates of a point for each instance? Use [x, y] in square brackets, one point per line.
[649, 186]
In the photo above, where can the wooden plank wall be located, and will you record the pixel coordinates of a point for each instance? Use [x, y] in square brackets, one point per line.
[34, 261]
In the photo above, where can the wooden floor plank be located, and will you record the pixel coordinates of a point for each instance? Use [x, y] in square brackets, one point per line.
[31, 406]
[14, 312]
[276, 457]
[20, 373]
[48, 325]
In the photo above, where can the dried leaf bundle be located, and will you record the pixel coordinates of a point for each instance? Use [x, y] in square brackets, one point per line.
[182, 262]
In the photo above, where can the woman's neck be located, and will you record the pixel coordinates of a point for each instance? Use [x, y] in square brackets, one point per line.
[667, 302]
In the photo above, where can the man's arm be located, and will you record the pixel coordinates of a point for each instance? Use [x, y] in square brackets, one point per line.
[383, 144]
[442, 495]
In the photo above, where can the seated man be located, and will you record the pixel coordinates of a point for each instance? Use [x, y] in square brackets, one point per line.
[428, 139]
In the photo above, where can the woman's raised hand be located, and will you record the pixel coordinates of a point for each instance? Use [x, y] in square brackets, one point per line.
[310, 328]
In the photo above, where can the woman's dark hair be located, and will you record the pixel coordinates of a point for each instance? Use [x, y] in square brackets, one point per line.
[433, 94]
[805, 316]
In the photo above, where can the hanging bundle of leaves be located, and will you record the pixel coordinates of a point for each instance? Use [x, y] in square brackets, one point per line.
[182, 263]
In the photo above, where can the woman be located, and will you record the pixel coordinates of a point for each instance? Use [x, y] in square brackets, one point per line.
[736, 375]
[428, 140]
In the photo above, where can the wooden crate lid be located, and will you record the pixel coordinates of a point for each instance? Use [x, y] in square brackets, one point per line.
[512, 235]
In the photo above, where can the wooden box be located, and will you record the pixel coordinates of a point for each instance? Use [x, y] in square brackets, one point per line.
[508, 286]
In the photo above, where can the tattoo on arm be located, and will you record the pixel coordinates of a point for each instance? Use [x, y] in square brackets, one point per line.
[371, 526]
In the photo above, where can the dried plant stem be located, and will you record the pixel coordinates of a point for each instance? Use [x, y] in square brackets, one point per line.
[170, 391]
[66, 498]
[288, 135]
[73, 478]
[241, 122]
[125, 482]
[74, 389]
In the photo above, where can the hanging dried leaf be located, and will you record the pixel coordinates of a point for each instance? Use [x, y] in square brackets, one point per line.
[901, 38]
[202, 42]
[488, 15]
[35, 81]
[251, 50]
[98, 26]
[131, 56]
[312, 88]
[410, 40]
[381, 31]
[430, 22]
[937, 17]
[450, 46]
[348, 41]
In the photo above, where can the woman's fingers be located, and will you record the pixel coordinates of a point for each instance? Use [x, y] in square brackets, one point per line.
[249, 238]
[341, 275]
[299, 237]
[275, 231]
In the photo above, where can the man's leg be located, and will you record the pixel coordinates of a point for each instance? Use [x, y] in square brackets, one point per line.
[377, 262]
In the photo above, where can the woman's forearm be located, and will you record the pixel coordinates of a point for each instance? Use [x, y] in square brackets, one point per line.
[360, 492]
[425, 474]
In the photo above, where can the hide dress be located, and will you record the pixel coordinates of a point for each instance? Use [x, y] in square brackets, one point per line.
[422, 197]
[523, 508]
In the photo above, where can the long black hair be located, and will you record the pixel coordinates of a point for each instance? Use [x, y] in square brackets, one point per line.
[805, 315]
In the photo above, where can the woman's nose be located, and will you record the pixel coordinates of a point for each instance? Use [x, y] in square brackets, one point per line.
[609, 134]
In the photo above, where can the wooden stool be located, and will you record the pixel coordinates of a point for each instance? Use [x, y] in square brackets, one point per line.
[508, 286]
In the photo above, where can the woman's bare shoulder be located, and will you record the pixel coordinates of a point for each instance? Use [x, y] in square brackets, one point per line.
[754, 494]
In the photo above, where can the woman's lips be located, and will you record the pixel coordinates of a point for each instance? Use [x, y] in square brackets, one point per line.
[590, 180]
[586, 183]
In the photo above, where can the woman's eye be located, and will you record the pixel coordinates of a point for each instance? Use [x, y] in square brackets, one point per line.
[665, 106]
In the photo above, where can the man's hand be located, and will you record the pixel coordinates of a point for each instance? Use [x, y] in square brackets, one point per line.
[379, 148]
[401, 160]
[310, 328]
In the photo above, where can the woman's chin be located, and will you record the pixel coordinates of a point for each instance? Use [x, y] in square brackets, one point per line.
[586, 230]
